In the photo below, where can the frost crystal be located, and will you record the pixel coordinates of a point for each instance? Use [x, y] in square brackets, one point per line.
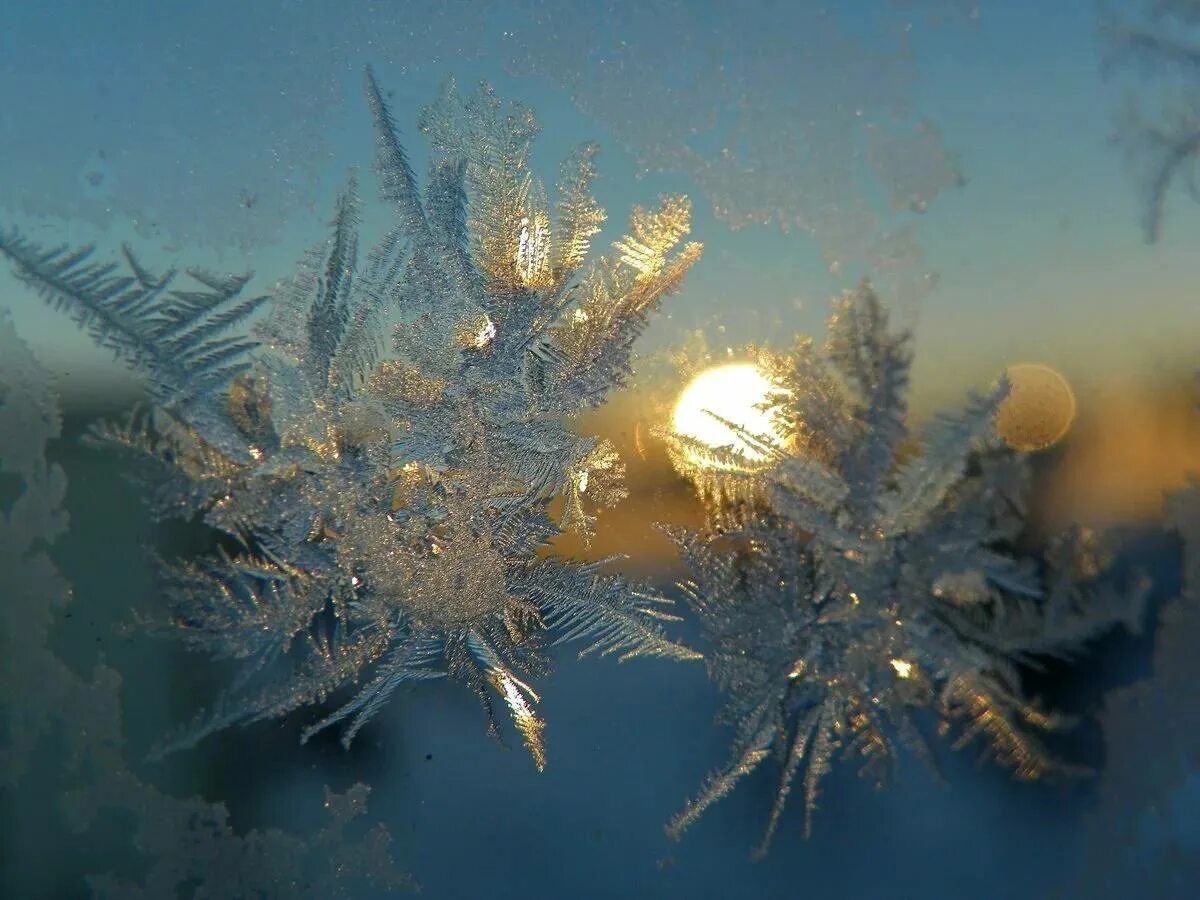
[386, 512]
[722, 110]
[854, 577]
[59, 726]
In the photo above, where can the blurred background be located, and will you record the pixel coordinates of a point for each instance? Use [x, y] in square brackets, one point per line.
[1003, 172]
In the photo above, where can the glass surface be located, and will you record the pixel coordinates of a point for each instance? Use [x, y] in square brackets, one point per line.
[1016, 180]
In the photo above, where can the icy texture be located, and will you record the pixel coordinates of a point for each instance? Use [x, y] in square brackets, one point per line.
[386, 512]
[858, 577]
[1159, 130]
[29, 673]
[1142, 836]
[223, 152]
[768, 108]
[51, 712]
[178, 337]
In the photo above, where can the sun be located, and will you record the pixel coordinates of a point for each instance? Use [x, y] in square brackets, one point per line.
[734, 393]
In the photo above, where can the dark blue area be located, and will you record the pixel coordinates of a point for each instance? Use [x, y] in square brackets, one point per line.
[628, 744]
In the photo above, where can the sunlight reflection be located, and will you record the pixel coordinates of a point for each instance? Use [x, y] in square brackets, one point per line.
[720, 404]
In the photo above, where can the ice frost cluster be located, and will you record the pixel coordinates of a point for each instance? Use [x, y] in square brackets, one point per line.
[64, 729]
[854, 577]
[383, 511]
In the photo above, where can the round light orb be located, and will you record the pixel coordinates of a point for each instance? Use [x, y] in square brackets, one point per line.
[733, 393]
[1039, 409]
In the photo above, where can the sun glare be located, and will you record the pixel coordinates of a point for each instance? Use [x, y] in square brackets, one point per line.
[731, 393]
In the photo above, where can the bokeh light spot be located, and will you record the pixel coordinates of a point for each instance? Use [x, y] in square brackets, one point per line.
[1039, 409]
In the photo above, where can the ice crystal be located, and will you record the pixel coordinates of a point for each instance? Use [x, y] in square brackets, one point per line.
[852, 577]
[386, 511]
[48, 709]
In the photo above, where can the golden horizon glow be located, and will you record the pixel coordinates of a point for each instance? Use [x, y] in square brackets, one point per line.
[733, 393]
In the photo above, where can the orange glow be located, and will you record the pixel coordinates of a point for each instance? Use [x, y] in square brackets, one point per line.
[1039, 409]
[1133, 443]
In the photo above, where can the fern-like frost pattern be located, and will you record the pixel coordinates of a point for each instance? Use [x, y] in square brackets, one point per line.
[858, 576]
[385, 507]
[59, 725]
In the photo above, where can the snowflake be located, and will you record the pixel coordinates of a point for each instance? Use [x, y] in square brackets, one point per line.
[385, 513]
[850, 578]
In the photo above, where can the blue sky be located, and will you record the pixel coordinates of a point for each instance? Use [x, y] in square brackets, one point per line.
[186, 111]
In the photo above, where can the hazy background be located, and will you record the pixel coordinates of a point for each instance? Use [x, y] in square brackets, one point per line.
[956, 153]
